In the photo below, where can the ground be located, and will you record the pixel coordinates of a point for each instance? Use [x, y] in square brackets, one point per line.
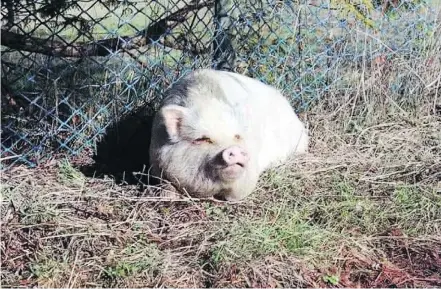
[363, 209]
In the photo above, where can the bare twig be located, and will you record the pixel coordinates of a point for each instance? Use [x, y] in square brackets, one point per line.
[151, 34]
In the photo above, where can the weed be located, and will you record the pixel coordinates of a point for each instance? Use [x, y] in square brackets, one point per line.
[69, 175]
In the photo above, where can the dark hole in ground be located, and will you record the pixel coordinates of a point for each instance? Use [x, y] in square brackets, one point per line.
[124, 150]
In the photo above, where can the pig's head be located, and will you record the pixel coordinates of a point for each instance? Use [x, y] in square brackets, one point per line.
[205, 150]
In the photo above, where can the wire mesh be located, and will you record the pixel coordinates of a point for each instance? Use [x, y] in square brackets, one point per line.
[70, 68]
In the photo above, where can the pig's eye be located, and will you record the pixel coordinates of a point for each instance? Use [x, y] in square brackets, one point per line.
[203, 139]
[237, 137]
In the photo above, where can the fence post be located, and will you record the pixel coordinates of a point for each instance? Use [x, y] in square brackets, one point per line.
[224, 55]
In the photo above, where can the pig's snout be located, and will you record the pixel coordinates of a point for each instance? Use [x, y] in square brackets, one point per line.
[235, 156]
[230, 163]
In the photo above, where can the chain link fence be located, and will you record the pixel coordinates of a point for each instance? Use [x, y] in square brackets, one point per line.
[72, 68]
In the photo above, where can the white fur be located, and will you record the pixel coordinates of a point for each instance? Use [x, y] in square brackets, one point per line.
[229, 109]
[272, 122]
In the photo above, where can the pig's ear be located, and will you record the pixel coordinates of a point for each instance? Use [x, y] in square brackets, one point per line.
[173, 115]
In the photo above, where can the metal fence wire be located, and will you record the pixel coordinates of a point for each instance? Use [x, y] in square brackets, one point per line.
[69, 68]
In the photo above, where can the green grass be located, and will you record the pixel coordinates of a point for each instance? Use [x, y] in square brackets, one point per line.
[315, 226]
[135, 259]
[69, 175]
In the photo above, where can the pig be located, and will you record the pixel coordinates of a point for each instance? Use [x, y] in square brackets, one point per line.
[216, 132]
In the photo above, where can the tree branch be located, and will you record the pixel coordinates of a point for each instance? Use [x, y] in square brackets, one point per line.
[151, 34]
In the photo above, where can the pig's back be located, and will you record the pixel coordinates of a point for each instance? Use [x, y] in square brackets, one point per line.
[272, 119]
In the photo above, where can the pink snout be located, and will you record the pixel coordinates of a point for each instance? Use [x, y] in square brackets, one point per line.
[234, 159]
[235, 155]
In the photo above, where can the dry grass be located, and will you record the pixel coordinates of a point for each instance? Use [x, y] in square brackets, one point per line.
[364, 209]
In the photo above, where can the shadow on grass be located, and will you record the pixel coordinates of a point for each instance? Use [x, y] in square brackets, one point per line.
[52, 106]
[124, 149]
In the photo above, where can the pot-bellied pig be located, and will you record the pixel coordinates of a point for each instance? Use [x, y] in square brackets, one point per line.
[217, 131]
